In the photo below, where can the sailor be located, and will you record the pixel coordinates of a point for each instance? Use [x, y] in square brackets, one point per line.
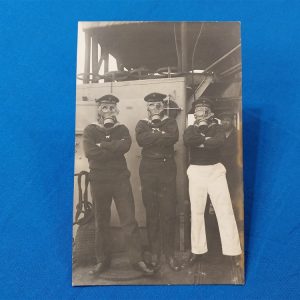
[207, 176]
[105, 143]
[157, 135]
[230, 158]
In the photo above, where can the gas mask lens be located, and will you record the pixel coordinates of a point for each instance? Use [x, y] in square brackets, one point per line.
[201, 112]
[155, 107]
[108, 108]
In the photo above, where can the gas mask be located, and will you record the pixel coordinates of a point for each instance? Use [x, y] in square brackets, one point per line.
[227, 123]
[202, 115]
[155, 111]
[107, 114]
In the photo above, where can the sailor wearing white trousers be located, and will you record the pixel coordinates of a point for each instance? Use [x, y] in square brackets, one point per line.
[207, 176]
[211, 180]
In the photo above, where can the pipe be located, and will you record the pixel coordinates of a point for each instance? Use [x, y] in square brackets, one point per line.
[177, 50]
[184, 48]
[87, 59]
[95, 69]
[105, 55]
[194, 51]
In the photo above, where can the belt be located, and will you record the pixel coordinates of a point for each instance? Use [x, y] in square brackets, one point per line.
[163, 158]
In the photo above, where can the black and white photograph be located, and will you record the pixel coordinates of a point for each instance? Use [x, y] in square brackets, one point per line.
[158, 176]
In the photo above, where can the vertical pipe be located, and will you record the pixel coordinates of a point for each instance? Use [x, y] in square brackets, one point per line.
[184, 48]
[87, 59]
[181, 162]
[106, 61]
[94, 59]
[105, 56]
[178, 51]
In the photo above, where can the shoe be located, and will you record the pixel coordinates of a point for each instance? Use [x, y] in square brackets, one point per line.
[142, 267]
[192, 259]
[100, 268]
[173, 263]
[155, 262]
[236, 260]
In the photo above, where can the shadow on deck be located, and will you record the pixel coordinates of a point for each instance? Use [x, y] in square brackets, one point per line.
[210, 270]
[213, 268]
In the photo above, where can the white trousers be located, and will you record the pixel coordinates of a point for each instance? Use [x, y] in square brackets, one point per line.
[211, 180]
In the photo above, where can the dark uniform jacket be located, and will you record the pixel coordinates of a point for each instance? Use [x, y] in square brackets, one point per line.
[229, 150]
[204, 151]
[108, 158]
[156, 144]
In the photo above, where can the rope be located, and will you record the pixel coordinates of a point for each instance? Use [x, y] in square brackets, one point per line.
[83, 205]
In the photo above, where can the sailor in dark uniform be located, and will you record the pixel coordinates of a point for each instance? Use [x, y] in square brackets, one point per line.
[157, 135]
[207, 176]
[105, 143]
[230, 159]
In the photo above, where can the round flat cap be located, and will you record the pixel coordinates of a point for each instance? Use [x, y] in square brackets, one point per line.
[107, 99]
[203, 101]
[155, 97]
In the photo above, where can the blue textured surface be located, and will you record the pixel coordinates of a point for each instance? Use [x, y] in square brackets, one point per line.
[37, 88]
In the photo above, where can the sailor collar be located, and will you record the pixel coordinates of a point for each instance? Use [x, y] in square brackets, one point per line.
[150, 122]
[102, 127]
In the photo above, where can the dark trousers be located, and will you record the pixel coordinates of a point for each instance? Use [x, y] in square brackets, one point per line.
[158, 180]
[102, 194]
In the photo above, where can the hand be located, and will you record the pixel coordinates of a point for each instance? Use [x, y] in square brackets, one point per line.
[200, 146]
[155, 130]
[196, 123]
[99, 145]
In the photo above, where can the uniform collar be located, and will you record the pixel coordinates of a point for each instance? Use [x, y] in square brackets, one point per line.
[102, 127]
[163, 119]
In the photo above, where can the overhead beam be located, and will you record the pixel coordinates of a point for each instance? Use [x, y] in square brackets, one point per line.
[231, 69]
[207, 80]
[222, 58]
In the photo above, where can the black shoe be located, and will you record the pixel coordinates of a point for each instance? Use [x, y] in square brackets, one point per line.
[100, 268]
[173, 263]
[236, 260]
[142, 267]
[155, 262]
[193, 258]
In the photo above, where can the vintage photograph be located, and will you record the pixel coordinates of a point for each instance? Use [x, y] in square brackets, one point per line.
[158, 176]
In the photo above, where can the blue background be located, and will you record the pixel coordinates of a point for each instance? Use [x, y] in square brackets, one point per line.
[37, 88]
